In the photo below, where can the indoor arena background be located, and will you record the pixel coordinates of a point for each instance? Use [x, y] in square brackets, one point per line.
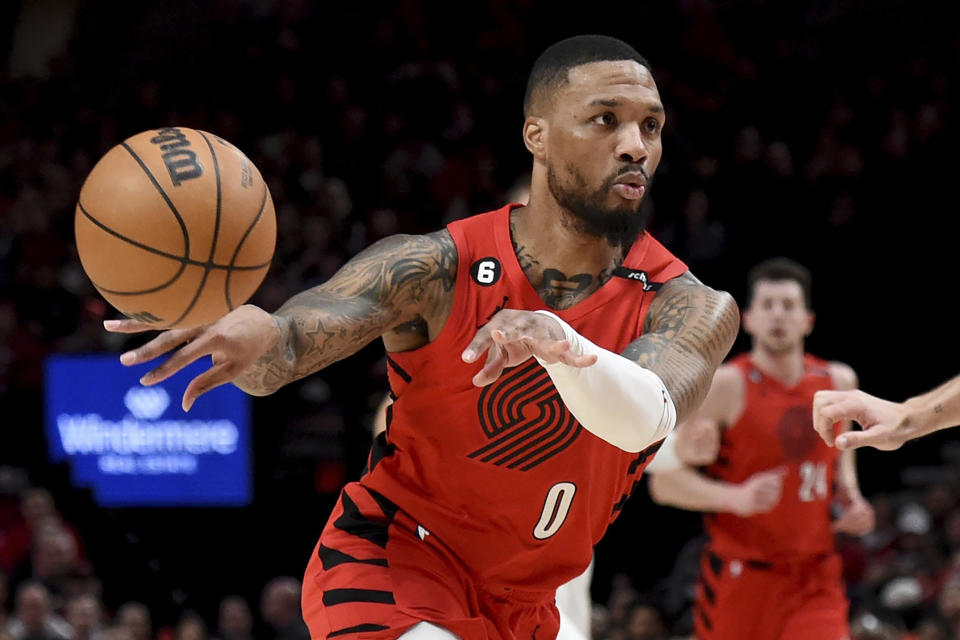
[824, 131]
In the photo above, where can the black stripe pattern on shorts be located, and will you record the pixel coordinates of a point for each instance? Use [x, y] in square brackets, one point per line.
[331, 558]
[342, 596]
[360, 628]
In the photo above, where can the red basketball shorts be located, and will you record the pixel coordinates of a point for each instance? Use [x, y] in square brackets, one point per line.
[750, 600]
[375, 573]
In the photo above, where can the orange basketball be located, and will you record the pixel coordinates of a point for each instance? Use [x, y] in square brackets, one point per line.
[175, 227]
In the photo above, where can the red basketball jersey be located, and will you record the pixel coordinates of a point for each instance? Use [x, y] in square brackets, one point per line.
[776, 430]
[504, 475]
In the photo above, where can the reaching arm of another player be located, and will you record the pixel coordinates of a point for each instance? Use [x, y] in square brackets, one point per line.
[689, 489]
[395, 281]
[886, 425]
[857, 517]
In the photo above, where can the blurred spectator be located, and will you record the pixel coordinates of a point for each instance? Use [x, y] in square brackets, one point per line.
[645, 623]
[939, 499]
[280, 607]
[886, 530]
[622, 599]
[932, 629]
[234, 621]
[948, 603]
[135, 618]
[869, 626]
[55, 562]
[117, 632]
[39, 518]
[34, 618]
[85, 616]
[902, 594]
[599, 622]
[191, 627]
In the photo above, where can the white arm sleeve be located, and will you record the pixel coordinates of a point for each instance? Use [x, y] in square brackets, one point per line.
[614, 399]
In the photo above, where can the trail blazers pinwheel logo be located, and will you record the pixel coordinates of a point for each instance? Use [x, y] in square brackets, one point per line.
[525, 419]
[146, 403]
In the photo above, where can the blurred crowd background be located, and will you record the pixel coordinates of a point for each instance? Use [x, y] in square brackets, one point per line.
[820, 130]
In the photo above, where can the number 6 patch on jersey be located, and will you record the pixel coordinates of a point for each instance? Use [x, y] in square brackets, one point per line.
[486, 271]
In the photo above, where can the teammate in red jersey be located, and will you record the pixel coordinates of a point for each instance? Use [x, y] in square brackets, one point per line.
[516, 434]
[769, 570]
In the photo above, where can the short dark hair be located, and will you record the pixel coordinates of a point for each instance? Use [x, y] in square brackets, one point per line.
[778, 269]
[550, 69]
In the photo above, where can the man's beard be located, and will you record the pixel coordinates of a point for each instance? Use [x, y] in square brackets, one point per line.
[620, 226]
[776, 347]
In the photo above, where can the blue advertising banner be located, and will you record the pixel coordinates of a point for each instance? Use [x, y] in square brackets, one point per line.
[133, 446]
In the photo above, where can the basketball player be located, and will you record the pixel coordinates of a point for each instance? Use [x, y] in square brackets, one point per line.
[887, 425]
[537, 356]
[769, 570]
[689, 444]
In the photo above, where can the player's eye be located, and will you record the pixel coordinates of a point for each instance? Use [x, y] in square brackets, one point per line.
[604, 119]
[652, 125]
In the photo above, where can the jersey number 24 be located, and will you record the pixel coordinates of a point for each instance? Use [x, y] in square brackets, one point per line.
[813, 481]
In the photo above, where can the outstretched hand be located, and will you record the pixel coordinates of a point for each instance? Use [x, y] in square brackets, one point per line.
[233, 342]
[883, 422]
[511, 337]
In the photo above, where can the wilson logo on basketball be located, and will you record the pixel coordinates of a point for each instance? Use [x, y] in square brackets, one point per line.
[181, 161]
[143, 316]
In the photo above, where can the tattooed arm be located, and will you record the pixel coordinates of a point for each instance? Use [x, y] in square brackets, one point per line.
[689, 330]
[687, 333]
[400, 288]
[397, 284]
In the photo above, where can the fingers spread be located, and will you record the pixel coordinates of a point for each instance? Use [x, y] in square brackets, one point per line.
[128, 325]
[496, 361]
[480, 343]
[166, 341]
[180, 359]
[213, 377]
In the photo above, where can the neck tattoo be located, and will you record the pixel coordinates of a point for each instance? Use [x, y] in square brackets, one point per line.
[557, 289]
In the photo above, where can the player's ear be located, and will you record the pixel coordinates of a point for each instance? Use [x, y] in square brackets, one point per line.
[746, 319]
[535, 136]
[811, 318]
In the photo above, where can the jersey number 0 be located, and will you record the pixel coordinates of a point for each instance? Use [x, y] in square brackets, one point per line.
[555, 510]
